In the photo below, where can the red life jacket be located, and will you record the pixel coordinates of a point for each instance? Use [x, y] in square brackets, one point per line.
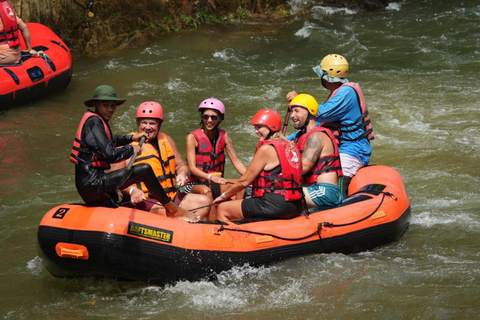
[363, 122]
[209, 158]
[287, 182]
[97, 159]
[326, 164]
[9, 33]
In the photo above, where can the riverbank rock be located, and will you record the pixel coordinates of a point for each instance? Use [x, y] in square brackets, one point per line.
[94, 26]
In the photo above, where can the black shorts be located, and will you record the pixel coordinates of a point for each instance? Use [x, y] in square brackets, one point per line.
[271, 206]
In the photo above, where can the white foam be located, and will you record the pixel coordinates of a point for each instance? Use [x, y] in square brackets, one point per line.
[394, 6]
[332, 10]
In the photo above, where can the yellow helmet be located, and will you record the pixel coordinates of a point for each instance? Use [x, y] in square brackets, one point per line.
[335, 65]
[306, 101]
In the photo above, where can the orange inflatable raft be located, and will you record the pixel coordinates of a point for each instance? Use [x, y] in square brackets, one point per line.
[36, 77]
[79, 241]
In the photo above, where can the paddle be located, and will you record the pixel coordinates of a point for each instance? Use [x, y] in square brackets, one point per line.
[154, 202]
[285, 123]
[128, 170]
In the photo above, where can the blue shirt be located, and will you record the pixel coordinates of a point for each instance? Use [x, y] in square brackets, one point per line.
[344, 108]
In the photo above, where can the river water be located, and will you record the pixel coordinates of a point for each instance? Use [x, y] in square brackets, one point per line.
[418, 63]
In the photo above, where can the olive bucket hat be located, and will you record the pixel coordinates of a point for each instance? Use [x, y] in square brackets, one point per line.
[104, 92]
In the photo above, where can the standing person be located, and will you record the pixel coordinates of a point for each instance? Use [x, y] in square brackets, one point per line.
[275, 172]
[10, 26]
[206, 152]
[347, 108]
[320, 157]
[95, 148]
[161, 153]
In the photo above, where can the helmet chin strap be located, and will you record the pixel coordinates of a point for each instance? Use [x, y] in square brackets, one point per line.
[269, 135]
[303, 129]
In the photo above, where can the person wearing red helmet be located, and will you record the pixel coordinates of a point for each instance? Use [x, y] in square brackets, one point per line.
[95, 148]
[275, 174]
[206, 148]
[161, 153]
[10, 26]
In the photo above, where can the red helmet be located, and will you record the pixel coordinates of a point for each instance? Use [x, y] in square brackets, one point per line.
[150, 109]
[269, 118]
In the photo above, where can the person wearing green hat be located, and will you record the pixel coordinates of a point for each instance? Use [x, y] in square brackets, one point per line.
[95, 148]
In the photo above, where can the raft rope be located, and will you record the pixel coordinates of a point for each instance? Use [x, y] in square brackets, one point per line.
[320, 225]
[46, 58]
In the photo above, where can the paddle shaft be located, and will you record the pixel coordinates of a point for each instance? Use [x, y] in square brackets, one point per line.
[285, 123]
[154, 202]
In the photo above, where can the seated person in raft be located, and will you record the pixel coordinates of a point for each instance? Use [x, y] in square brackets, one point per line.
[320, 155]
[161, 153]
[275, 173]
[206, 148]
[95, 148]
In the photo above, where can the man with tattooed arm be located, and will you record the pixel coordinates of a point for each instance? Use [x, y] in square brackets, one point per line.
[320, 156]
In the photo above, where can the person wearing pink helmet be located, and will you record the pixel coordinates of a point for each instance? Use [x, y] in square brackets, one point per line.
[275, 174]
[206, 148]
[161, 153]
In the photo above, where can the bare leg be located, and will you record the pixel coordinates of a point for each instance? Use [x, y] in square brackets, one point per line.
[204, 190]
[192, 201]
[230, 210]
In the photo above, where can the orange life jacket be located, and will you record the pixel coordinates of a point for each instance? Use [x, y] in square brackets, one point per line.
[287, 182]
[326, 164]
[209, 158]
[97, 160]
[163, 164]
[9, 33]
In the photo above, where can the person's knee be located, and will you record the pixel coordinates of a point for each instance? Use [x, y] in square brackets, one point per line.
[143, 168]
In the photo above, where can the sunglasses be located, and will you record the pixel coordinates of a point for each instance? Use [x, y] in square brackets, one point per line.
[206, 116]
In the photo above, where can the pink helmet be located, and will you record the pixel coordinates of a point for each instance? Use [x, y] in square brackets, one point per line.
[214, 104]
[150, 109]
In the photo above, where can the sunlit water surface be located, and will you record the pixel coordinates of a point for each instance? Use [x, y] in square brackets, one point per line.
[418, 63]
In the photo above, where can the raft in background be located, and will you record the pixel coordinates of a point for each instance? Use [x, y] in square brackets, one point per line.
[79, 241]
[36, 77]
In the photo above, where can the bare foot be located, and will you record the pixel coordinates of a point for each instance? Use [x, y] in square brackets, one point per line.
[175, 211]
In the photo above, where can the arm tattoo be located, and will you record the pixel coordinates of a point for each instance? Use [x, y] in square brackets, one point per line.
[313, 148]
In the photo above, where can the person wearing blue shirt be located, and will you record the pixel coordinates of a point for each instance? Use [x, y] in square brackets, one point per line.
[345, 109]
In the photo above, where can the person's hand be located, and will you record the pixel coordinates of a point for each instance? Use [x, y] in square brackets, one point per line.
[218, 179]
[137, 136]
[34, 53]
[136, 195]
[182, 179]
[291, 95]
[137, 149]
[220, 199]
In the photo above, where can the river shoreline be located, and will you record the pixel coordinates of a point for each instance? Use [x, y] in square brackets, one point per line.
[95, 27]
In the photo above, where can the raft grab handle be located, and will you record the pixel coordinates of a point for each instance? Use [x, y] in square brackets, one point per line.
[72, 251]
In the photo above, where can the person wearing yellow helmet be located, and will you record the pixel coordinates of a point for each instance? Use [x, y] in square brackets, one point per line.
[345, 108]
[321, 165]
